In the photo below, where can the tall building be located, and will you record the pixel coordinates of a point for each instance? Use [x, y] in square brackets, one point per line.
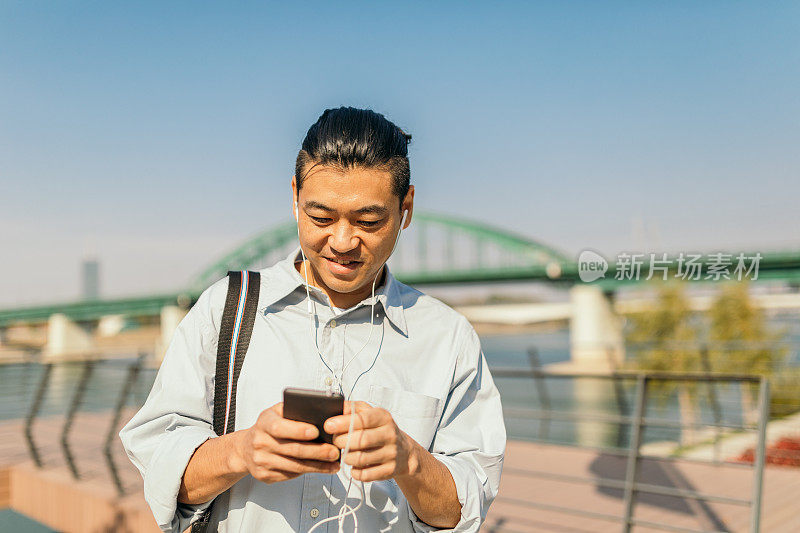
[91, 279]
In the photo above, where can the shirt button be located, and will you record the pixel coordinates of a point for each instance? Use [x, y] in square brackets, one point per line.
[333, 323]
[314, 512]
[329, 381]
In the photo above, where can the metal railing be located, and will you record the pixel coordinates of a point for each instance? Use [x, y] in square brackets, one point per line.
[630, 394]
[637, 420]
[111, 397]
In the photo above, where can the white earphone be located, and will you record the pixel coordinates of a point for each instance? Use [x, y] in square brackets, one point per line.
[345, 510]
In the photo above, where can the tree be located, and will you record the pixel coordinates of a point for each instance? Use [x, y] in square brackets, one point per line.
[741, 342]
[664, 338]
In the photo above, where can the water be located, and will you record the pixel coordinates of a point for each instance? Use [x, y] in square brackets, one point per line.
[587, 398]
[592, 397]
[18, 383]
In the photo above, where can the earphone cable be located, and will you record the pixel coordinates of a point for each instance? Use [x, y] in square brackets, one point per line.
[345, 509]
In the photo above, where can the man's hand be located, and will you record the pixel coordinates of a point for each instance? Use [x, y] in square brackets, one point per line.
[378, 448]
[276, 449]
[273, 449]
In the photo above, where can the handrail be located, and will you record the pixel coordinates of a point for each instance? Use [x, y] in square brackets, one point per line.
[634, 423]
[130, 380]
[34, 411]
[631, 485]
[77, 398]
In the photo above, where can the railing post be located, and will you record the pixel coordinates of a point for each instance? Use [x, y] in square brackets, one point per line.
[619, 395]
[77, 398]
[130, 380]
[632, 467]
[713, 400]
[34, 411]
[758, 480]
[544, 398]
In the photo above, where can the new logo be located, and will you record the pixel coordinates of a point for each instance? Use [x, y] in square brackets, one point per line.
[591, 266]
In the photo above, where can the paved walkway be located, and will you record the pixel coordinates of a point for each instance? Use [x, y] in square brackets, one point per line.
[513, 511]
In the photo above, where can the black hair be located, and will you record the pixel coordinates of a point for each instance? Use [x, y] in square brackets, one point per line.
[347, 137]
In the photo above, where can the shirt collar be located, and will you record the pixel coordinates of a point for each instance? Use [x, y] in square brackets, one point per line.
[286, 279]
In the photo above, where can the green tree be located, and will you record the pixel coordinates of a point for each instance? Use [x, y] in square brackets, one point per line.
[741, 342]
[664, 338]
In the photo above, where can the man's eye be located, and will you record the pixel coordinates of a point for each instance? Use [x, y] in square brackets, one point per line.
[320, 220]
[369, 223]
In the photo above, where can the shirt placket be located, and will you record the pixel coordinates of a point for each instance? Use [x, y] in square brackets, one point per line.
[315, 503]
[331, 347]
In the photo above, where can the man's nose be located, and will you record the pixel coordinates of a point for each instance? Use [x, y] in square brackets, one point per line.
[343, 238]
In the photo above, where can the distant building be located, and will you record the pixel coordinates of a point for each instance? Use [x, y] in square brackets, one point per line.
[91, 279]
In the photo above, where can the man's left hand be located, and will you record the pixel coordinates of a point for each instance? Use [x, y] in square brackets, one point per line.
[378, 448]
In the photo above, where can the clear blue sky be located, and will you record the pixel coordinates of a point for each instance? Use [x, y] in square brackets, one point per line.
[157, 135]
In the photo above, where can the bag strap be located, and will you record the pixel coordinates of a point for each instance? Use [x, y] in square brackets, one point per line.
[235, 330]
[234, 339]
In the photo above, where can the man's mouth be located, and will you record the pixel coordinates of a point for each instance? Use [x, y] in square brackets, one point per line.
[342, 266]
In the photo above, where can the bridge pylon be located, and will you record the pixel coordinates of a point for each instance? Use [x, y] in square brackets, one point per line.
[596, 338]
[171, 316]
[66, 338]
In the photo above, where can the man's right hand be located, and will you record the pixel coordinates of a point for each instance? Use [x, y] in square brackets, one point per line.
[276, 448]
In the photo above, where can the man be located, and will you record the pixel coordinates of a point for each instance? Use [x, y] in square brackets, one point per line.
[428, 438]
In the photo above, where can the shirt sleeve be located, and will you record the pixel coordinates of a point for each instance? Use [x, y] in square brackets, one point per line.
[471, 438]
[177, 416]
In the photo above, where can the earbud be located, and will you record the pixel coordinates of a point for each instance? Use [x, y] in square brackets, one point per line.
[305, 271]
[297, 220]
[397, 237]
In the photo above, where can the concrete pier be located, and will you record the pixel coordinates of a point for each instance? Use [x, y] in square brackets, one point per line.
[65, 339]
[596, 339]
[171, 316]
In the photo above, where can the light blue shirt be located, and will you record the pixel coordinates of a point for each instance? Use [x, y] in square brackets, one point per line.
[423, 364]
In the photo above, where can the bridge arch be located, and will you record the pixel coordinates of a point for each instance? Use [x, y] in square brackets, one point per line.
[436, 248]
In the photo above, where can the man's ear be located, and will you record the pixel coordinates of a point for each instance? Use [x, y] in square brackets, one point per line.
[408, 206]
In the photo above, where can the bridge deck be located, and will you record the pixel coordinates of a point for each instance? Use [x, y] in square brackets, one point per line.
[509, 513]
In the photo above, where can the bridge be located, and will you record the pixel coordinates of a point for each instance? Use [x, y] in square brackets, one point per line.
[436, 249]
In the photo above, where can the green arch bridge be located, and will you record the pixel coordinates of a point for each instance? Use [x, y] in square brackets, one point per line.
[435, 249]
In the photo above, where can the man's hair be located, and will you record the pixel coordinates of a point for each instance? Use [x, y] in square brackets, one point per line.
[347, 137]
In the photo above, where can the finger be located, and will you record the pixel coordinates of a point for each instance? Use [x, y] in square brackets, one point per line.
[283, 428]
[373, 473]
[305, 450]
[371, 457]
[368, 418]
[358, 405]
[364, 439]
[272, 476]
[297, 466]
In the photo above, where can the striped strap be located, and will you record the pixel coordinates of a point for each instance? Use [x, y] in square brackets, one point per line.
[234, 338]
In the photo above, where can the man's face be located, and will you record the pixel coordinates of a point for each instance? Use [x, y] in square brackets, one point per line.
[351, 217]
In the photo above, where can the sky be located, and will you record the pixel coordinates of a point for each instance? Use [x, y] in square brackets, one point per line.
[156, 136]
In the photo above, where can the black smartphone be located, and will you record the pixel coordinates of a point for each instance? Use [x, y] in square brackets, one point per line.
[313, 407]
